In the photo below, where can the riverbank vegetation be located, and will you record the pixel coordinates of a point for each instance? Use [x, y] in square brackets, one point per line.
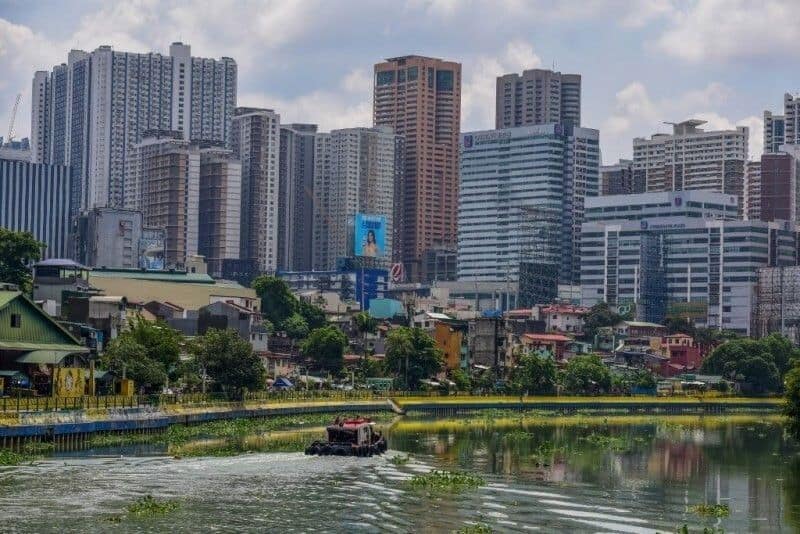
[711, 510]
[149, 506]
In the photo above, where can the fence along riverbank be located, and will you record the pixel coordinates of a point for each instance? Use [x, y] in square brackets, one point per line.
[68, 424]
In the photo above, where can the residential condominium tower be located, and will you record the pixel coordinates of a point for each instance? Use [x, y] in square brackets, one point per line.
[91, 111]
[256, 143]
[774, 132]
[617, 179]
[752, 190]
[521, 200]
[354, 173]
[420, 98]
[691, 158]
[219, 209]
[538, 96]
[296, 200]
[681, 255]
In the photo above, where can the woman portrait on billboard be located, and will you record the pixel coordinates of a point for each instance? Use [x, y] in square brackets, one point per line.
[370, 247]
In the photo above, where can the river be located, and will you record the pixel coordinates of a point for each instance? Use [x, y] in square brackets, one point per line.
[542, 473]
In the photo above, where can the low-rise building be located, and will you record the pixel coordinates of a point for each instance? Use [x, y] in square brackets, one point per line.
[551, 346]
[562, 318]
[451, 336]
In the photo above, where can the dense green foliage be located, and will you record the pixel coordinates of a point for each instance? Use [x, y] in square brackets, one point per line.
[534, 376]
[600, 315]
[792, 407]
[277, 301]
[313, 315]
[759, 363]
[586, 375]
[148, 353]
[325, 347]
[18, 251]
[365, 324]
[461, 379]
[412, 354]
[295, 327]
[229, 361]
[446, 481]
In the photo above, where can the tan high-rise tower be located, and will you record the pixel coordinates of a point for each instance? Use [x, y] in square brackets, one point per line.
[420, 97]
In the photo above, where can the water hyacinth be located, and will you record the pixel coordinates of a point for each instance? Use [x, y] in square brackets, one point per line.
[446, 481]
[149, 506]
[711, 510]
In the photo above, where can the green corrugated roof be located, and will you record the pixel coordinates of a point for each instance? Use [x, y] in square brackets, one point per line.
[156, 276]
[37, 331]
[7, 296]
[29, 346]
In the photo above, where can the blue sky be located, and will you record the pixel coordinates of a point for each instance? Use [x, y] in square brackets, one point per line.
[643, 62]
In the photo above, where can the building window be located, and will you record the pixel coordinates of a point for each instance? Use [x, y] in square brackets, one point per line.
[16, 320]
[385, 77]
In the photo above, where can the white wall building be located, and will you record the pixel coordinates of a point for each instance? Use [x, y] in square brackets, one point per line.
[691, 158]
[89, 112]
[354, 172]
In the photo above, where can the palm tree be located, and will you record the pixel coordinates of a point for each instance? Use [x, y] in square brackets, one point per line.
[365, 324]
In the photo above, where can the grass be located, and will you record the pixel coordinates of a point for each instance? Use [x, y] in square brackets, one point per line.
[9, 457]
[148, 506]
[711, 510]
[459, 399]
[446, 481]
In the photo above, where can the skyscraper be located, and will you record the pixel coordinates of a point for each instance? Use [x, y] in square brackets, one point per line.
[355, 171]
[256, 143]
[296, 200]
[692, 158]
[538, 96]
[89, 112]
[420, 98]
[617, 179]
[163, 182]
[518, 182]
[774, 132]
[752, 190]
[219, 210]
[791, 113]
[780, 185]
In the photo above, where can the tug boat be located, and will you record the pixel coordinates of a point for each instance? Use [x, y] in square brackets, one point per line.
[350, 437]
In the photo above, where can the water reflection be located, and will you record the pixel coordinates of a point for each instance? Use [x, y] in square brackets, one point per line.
[583, 474]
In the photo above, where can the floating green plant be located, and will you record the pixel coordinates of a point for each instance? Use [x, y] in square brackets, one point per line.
[711, 510]
[446, 481]
[399, 459]
[477, 528]
[149, 506]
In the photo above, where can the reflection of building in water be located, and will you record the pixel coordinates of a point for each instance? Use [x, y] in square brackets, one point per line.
[676, 461]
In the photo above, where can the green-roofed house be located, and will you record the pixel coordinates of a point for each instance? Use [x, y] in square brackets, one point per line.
[31, 341]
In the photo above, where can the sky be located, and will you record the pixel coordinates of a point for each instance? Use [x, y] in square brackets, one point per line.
[643, 62]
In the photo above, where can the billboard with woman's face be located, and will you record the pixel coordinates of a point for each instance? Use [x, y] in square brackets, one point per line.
[370, 235]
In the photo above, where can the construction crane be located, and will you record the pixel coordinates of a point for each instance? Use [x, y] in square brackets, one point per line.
[13, 117]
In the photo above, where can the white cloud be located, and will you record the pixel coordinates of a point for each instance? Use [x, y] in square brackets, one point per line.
[643, 12]
[722, 30]
[637, 114]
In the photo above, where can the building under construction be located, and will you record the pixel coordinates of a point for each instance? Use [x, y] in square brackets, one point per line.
[778, 302]
[539, 256]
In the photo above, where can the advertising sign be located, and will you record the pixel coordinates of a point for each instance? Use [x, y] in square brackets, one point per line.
[370, 235]
[151, 249]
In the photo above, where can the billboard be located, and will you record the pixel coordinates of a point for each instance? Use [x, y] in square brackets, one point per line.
[151, 249]
[370, 235]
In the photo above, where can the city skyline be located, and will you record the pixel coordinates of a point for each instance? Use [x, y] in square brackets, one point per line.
[642, 63]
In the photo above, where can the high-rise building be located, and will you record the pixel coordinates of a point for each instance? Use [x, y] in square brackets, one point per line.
[34, 197]
[752, 190]
[538, 96]
[90, 112]
[774, 132]
[219, 211]
[780, 185]
[617, 179]
[791, 114]
[692, 158]
[420, 98]
[519, 185]
[256, 143]
[355, 171]
[163, 182]
[679, 255]
[296, 200]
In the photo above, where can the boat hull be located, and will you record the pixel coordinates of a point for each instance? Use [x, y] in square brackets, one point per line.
[327, 448]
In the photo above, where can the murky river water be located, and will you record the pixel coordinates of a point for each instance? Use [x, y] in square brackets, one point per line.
[551, 475]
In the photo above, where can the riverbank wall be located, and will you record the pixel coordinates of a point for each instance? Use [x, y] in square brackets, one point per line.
[67, 429]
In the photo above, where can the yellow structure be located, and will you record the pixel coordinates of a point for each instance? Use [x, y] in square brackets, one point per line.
[450, 339]
[69, 381]
[126, 387]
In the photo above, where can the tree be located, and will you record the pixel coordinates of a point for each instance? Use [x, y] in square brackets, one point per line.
[759, 363]
[586, 374]
[126, 357]
[534, 375]
[18, 251]
[461, 379]
[277, 301]
[325, 347]
[148, 352]
[679, 325]
[296, 328]
[365, 324]
[345, 287]
[600, 315]
[413, 354]
[229, 360]
[758, 371]
[313, 315]
[792, 407]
